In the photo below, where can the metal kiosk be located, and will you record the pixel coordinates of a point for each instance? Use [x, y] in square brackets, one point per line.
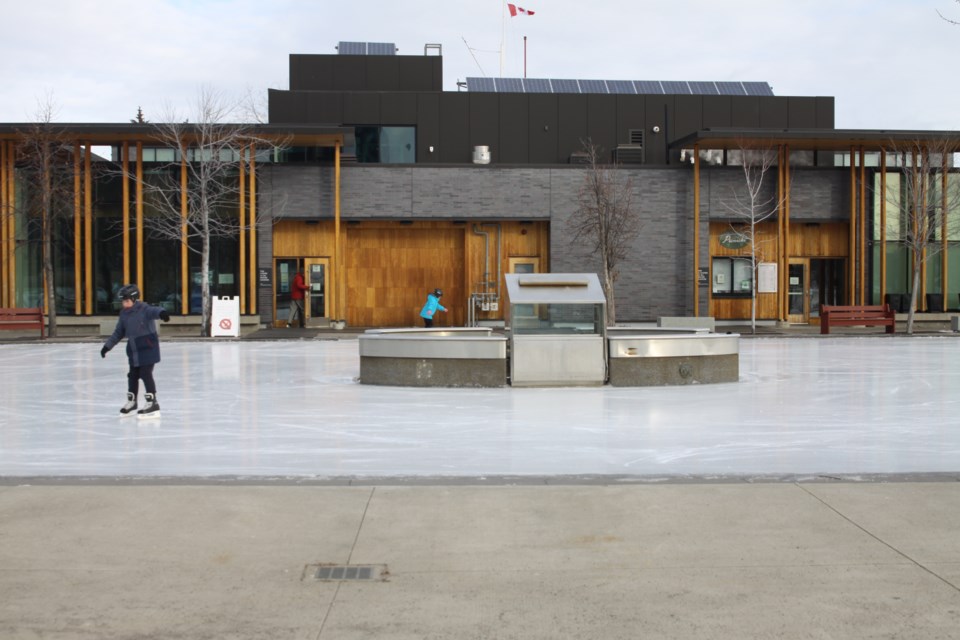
[557, 324]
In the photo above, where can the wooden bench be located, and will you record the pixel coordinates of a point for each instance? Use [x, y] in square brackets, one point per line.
[22, 318]
[867, 315]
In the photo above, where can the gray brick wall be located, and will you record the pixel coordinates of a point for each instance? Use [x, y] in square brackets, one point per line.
[656, 279]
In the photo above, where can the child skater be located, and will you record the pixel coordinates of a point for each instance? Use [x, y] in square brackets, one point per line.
[137, 323]
[431, 307]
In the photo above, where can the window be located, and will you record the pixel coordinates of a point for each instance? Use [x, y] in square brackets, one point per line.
[386, 145]
[732, 277]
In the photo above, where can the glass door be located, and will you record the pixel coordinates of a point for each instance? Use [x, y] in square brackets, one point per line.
[798, 295]
[316, 271]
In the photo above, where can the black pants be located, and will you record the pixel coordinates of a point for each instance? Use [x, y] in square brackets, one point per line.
[137, 374]
[428, 322]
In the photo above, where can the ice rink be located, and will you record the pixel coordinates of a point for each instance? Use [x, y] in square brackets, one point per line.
[294, 409]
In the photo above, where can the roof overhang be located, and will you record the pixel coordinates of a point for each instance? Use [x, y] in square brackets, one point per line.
[106, 134]
[815, 139]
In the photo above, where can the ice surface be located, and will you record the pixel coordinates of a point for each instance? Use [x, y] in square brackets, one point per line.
[295, 408]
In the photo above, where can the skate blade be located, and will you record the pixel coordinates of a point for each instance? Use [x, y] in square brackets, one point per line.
[148, 416]
[127, 415]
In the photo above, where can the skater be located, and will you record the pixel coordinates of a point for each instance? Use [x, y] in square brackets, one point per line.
[297, 290]
[430, 308]
[137, 323]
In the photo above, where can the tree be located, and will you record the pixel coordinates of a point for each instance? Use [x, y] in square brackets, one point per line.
[605, 219]
[213, 149]
[756, 203]
[945, 18]
[46, 161]
[921, 203]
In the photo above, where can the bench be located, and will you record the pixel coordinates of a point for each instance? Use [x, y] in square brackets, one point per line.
[22, 318]
[867, 315]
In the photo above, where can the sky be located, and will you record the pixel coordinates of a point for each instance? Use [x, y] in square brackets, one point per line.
[887, 63]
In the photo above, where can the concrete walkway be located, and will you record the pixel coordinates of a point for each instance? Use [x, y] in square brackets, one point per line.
[724, 560]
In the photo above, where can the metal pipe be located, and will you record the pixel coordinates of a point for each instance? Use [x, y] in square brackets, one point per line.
[499, 250]
[486, 255]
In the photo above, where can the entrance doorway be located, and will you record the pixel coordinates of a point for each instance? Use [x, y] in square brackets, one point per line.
[316, 274]
[812, 283]
[316, 271]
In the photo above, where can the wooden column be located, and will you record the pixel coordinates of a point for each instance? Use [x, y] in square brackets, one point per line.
[242, 232]
[252, 303]
[77, 243]
[88, 228]
[883, 225]
[944, 246]
[338, 241]
[125, 168]
[786, 228]
[140, 215]
[862, 210]
[852, 248]
[696, 230]
[5, 242]
[184, 248]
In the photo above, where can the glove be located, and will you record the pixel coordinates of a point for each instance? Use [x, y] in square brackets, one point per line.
[103, 352]
[165, 315]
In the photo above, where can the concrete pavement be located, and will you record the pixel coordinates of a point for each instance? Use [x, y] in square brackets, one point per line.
[687, 560]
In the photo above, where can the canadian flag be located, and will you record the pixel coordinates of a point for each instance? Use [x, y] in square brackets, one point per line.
[518, 11]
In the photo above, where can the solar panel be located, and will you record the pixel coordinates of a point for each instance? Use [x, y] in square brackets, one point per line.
[509, 85]
[673, 86]
[536, 85]
[352, 48]
[648, 86]
[593, 86]
[703, 88]
[621, 86]
[565, 86]
[758, 89]
[731, 89]
[381, 49]
[481, 84]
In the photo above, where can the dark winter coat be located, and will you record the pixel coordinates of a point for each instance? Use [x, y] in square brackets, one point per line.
[138, 325]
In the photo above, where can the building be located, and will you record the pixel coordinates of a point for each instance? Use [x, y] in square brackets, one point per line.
[387, 187]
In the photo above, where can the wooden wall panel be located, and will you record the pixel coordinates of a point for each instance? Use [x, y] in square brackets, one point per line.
[390, 266]
[826, 240]
[391, 270]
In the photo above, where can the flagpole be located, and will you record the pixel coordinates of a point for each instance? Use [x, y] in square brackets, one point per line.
[524, 56]
[503, 32]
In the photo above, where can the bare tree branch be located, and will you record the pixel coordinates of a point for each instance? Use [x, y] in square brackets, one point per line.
[920, 203]
[605, 218]
[752, 207]
[210, 150]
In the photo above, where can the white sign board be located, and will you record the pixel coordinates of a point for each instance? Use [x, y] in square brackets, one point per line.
[767, 277]
[225, 317]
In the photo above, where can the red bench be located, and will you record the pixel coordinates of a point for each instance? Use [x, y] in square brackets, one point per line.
[22, 318]
[880, 315]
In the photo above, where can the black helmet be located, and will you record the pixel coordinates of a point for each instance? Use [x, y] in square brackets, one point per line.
[437, 292]
[129, 292]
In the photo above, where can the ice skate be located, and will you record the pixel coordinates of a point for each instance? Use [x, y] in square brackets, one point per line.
[130, 407]
[152, 410]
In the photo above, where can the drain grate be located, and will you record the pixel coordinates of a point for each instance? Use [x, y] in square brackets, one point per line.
[337, 572]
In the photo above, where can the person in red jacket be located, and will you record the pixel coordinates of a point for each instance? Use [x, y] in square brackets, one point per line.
[297, 291]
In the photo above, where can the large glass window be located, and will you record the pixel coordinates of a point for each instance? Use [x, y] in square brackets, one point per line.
[386, 145]
[732, 277]
[558, 318]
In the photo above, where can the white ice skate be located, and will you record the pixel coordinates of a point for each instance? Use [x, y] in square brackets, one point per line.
[152, 410]
[130, 408]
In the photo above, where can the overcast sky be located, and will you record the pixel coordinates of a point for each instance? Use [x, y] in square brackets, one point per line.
[889, 64]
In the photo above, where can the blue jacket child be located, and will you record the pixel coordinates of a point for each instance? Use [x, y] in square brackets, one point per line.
[430, 308]
[137, 323]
